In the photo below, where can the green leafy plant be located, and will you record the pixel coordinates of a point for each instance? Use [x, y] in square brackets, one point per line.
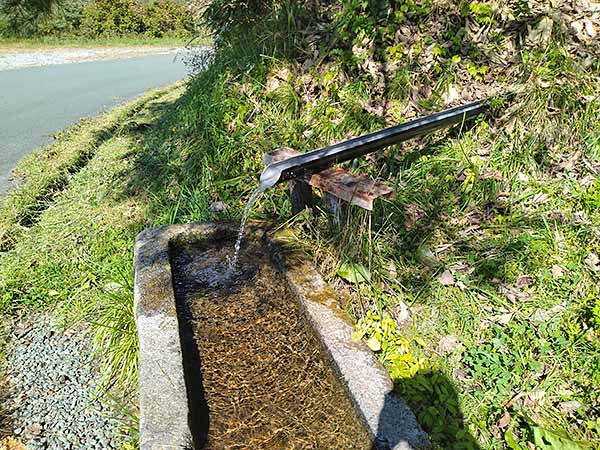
[381, 334]
[121, 17]
[548, 440]
[482, 11]
[354, 272]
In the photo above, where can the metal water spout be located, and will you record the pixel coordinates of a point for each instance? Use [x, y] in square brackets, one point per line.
[320, 159]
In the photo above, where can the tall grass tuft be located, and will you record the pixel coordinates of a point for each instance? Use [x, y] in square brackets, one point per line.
[115, 334]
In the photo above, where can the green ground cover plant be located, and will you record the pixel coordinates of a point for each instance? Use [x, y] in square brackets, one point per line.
[477, 286]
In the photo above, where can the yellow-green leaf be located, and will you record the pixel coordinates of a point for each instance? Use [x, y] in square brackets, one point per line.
[549, 440]
[374, 344]
[354, 272]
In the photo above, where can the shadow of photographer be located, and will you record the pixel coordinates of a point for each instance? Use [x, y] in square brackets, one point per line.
[432, 397]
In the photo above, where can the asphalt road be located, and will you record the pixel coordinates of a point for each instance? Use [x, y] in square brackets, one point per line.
[37, 102]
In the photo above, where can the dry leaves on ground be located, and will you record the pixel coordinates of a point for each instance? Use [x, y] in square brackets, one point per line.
[446, 278]
[10, 443]
[449, 344]
[413, 214]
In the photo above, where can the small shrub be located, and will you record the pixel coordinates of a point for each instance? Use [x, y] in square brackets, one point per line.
[120, 17]
[223, 15]
[167, 17]
[64, 20]
[4, 25]
[112, 17]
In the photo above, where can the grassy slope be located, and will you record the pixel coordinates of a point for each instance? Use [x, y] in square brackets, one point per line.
[492, 241]
[77, 255]
[42, 175]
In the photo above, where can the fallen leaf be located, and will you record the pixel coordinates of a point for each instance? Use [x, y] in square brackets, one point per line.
[587, 181]
[32, 431]
[392, 271]
[541, 34]
[462, 267]
[483, 151]
[557, 272]
[218, 207]
[461, 375]
[451, 95]
[374, 344]
[569, 161]
[539, 198]
[526, 399]
[584, 29]
[502, 319]
[512, 293]
[592, 261]
[524, 281]
[276, 79]
[412, 215]
[504, 421]
[21, 329]
[491, 175]
[53, 293]
[569, 407]
[112, 287]
[446, 278]
[534, 398]
[545, 315]
[590, 29]
[449, 344]
[401, 312]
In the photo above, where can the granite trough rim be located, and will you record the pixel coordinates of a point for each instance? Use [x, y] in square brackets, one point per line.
[164, 405]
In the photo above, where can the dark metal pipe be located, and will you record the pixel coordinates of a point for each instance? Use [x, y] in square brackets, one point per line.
[320, 159]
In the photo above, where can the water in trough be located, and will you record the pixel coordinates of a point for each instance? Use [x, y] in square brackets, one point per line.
[264, 381]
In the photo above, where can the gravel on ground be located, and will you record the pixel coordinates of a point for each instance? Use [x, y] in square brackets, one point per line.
[17, 59]
[53, 388]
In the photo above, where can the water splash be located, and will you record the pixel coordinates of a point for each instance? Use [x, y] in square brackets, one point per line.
[238, 243]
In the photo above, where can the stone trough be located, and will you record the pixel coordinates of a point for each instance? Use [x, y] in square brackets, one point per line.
[179, 380]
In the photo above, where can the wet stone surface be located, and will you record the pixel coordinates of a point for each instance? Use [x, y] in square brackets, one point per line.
[52, 384]
[264, 379]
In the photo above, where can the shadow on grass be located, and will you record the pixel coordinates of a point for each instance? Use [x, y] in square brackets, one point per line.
[433, 398]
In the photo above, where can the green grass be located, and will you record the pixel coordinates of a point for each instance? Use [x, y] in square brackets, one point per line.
[508, 207]
[503, 350]
[42, 175]
[51, 42]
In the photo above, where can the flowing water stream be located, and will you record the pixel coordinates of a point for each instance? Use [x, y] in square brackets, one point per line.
[238, 243]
